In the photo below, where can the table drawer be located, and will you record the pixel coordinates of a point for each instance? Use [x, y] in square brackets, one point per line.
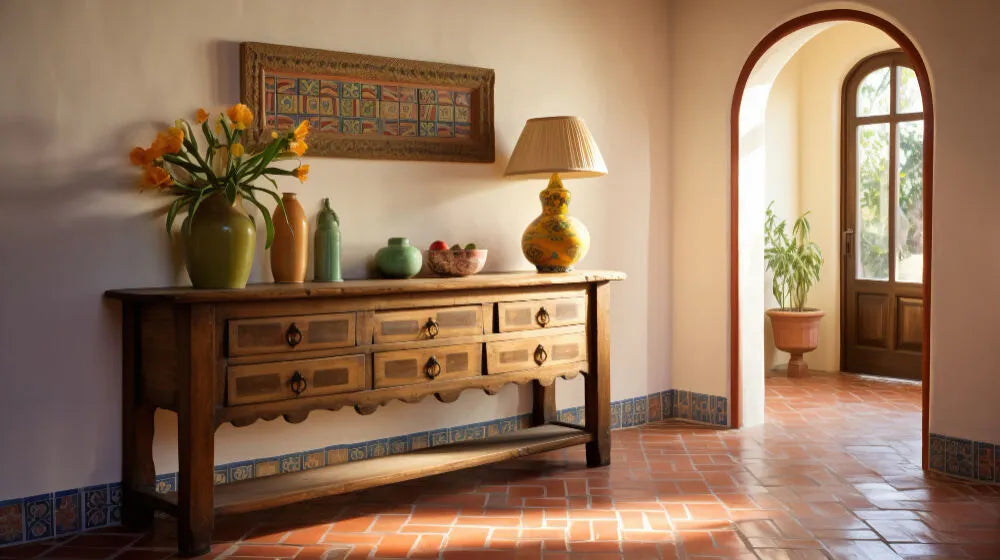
[291, 334]
[528, 315]
[406, 367]
[275, 381]
[423, 324]
[534, 352]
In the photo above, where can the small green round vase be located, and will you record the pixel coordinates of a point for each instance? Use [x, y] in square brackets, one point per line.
[399, 259]
[219, 244]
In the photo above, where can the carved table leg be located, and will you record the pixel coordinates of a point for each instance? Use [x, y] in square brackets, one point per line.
[598, 378]
[196, 431]
[543, 399]
[137, 428]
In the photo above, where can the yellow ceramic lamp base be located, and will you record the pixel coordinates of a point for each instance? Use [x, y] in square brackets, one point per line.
[555, 241]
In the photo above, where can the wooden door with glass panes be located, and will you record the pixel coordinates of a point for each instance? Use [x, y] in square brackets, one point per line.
[882, 215]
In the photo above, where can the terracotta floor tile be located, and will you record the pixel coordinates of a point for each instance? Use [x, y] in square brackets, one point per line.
[265, 535]
[32, 550]
[360, 551]
[595, 546]
[427, 546]
[318, 552]
[834, 472]
[144, 554]
[790, 554]
[479, 555]
[347, 539]
[467, 537]
[389, 523]
[267, 551]
[307, 535]
[80, 553]
[861, 550]
[648, 536]
[353, 524]
[487, 521]
[921, 550]
[105, 540]
[426, 529]
[395, 546]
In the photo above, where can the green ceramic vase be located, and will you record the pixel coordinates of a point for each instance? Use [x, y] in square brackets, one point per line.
[399, 259]
[219, 244]
[326, 246]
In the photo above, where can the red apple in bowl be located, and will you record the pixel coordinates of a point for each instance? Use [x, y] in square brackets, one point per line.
[456, 262]
[439, 246]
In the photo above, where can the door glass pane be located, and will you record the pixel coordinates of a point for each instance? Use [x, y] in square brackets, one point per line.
[873, 93]
[910, 208]
[908, 98]
[873, 202]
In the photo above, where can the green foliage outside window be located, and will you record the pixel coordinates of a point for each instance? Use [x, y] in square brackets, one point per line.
[873, 145]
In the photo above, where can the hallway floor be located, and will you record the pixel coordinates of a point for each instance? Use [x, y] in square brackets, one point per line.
[834, 473]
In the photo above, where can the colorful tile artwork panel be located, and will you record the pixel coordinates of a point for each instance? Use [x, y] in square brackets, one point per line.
[359, 108]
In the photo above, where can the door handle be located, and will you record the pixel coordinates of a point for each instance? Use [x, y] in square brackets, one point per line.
[297, 383]
[432, 327]
[847, 242]
[541, 355]
[542, 317]
[433, 368]
[293, 336]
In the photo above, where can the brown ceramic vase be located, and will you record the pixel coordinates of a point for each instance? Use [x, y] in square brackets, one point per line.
[290, 250]
[796, 332]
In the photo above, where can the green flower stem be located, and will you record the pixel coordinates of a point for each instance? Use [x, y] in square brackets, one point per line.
[208, 170]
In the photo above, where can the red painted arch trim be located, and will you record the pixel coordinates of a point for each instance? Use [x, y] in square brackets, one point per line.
[923, 78]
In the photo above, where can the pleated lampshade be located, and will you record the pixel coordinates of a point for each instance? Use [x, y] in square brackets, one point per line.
[560, 145]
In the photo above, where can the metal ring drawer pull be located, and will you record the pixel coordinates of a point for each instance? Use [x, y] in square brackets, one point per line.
[541, 355]
[297, 383]
[293, 336]
[542, 317]
[432, 327]
[433, 368]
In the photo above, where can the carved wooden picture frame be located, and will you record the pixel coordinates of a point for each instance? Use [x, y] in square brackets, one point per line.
[369, 107]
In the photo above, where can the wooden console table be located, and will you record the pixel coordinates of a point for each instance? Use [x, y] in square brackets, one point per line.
[269, 350]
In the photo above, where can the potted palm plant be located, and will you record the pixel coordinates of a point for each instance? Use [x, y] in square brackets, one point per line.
[795, 262]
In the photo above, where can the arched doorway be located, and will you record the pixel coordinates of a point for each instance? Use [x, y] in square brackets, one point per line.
[757, 54]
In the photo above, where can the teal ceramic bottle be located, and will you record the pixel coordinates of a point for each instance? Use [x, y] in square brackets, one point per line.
[326, 245]
[399, 259]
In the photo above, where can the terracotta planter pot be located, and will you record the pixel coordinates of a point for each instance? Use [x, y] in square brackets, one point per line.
[796, 332]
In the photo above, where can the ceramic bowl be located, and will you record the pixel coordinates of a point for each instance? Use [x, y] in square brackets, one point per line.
[456, 262]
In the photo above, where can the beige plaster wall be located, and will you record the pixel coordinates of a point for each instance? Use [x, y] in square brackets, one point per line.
[958, 43]
[86, 81]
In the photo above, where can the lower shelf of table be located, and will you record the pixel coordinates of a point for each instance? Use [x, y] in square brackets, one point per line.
[286, 489]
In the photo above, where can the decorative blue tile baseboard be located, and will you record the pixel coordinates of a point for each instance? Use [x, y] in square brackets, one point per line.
[70, 511]
[695, 407]
[972, 460]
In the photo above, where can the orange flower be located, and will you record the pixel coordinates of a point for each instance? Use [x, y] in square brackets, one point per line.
[301, 172]
[237, 149]
[241, 116]
[168, 142]
[200, 116]
[176, 136]
[156, 177]
[298, 147]
[137, 156]
[301, 131]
